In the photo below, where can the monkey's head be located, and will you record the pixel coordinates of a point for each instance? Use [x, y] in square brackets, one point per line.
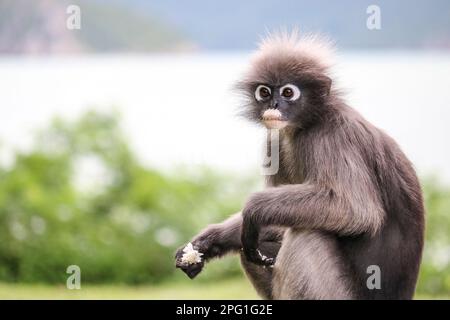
[288, 83]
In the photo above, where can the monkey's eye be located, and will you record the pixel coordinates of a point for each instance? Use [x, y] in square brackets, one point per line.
[290, 92]
[262, 92]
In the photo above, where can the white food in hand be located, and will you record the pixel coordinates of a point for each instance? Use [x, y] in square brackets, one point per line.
[263, 257]
[190, 255]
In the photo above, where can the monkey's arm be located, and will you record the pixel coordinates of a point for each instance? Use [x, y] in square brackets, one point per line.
[214, 241]
[219, 239]
[338, 196]
[306, 206]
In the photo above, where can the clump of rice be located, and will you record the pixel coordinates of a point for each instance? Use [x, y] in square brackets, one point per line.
[190, 255]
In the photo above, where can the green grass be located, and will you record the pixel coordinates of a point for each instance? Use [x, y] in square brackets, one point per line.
[188, 289]
[225, 289]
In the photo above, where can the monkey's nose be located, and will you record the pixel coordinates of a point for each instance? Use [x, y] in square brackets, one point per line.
[274, 104]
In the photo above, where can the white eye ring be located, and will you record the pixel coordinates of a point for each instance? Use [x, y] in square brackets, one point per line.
[295, 90]
[258, 92]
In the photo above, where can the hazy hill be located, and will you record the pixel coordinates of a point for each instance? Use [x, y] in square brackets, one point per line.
[38, 26]
[236, 24]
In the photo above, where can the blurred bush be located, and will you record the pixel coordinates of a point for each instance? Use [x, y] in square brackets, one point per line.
[80, 196]
[435, 270]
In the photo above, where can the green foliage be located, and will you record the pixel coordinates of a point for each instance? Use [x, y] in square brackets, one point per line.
[228, 289]
[435, 271]
[122, 221]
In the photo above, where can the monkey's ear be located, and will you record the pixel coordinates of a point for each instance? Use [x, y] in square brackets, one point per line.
[323, 84]
[319, 82]
[326, 84]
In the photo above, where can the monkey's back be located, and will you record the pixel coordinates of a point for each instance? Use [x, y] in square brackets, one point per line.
[397, 247]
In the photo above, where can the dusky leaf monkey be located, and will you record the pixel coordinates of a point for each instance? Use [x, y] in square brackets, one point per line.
[344, 198]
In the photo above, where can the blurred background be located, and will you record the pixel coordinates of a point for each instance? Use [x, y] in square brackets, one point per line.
[119, 140]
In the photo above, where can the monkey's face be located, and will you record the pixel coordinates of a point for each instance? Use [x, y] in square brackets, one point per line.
[284, 95]
[277, 103]
[287, 84]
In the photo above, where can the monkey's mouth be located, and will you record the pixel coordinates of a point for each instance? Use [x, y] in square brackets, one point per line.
[273, 119]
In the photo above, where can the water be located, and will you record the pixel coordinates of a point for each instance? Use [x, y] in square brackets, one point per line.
[181, 108]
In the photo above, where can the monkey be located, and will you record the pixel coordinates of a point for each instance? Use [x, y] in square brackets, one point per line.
[344, 198]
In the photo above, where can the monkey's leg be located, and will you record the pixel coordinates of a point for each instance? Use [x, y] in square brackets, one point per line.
[309, 266]
[260, 276]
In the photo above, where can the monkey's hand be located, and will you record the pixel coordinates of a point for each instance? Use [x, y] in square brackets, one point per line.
[250, 234]
[191, 258]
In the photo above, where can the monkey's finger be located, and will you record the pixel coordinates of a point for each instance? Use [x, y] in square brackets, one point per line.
[192, 273]
[190, 270]
[269, 262]
[193, 270]
[253, 257]
[181, 265]
[178, 254]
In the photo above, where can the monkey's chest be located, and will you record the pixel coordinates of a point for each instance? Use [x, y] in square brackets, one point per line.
[291, 168]
[290, 165]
